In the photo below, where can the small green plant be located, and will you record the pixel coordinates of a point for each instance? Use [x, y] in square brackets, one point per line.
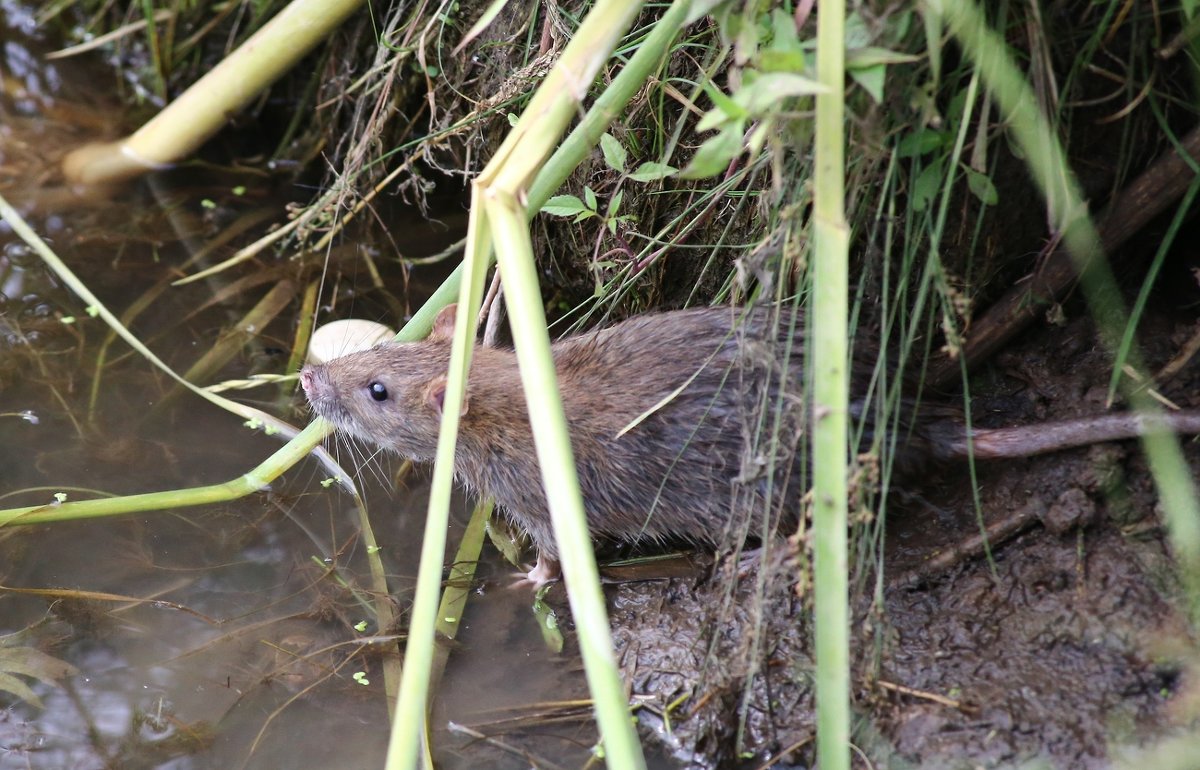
[768, 76]
[616, 158]
[572, 206]
[935, 148]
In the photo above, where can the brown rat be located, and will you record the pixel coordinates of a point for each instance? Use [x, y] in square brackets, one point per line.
[689, 379]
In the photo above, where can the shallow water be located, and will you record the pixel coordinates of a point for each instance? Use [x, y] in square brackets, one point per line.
[222, 635]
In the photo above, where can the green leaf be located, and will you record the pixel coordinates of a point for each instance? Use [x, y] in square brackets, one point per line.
[784, 35]
[614, 153]
[745, 45]
[700, 9]
[714, 155]
[785, 53]
[722, 103]
[650, 171]
[589, 197]
[11, 684]
[547, 621]
[856, 32]
[614, 205]
[933, 43]
[921, 143]
[32, 663]
[861, 58]
[771, 60]
[926, 186]
[505, 539]
[729, 19]
[564, 206]
[981, 186]
[715, 119]
[871, 79]
[758, 137]
[770, 88]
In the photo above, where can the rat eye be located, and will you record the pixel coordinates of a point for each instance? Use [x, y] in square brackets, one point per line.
[378, 391]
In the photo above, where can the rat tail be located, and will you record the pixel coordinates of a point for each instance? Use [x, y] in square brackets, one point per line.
[1028, 440]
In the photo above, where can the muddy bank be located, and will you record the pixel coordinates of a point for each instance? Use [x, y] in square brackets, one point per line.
[1063, 646]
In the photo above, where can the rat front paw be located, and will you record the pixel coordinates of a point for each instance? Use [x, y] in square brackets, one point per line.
[545, 571]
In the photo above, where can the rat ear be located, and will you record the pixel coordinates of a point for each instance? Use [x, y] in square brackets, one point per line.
[443, 324]
[435, 396]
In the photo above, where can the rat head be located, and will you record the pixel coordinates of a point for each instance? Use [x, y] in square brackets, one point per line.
[390, 395]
